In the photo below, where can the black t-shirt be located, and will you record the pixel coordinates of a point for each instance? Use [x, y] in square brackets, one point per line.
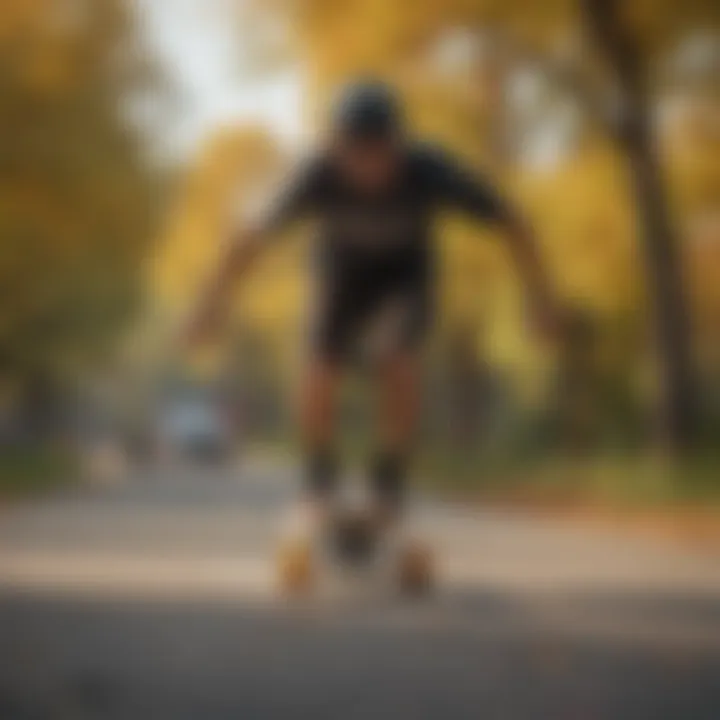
[388, 230]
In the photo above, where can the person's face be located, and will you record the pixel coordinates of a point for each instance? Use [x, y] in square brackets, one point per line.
[369, 165]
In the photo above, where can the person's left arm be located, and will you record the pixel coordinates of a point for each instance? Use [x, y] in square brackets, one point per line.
[463, 190]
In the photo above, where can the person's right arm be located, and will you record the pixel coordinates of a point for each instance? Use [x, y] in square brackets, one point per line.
[235, 259]
[296, 197]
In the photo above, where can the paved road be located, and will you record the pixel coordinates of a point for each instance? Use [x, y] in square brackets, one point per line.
[154, 599]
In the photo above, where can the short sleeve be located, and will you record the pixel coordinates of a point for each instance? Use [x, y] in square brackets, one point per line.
[458, 187]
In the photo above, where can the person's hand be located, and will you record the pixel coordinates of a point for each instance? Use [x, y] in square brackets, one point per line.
[547, 321]
[202, 325]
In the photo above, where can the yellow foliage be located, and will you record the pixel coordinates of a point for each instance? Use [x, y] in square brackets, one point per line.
[582, 209]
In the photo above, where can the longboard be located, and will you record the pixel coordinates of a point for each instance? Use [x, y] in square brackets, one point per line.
[352, 544]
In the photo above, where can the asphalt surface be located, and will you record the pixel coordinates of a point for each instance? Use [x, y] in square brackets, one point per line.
[154, 598]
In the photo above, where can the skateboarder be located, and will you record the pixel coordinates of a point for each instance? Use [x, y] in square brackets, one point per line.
[373, 191]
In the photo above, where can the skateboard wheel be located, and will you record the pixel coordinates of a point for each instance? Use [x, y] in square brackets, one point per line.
[295, 568]
[416, 570]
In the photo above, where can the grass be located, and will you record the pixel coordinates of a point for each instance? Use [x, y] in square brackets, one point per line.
[627, 480]
[643, 495]
[31, 470]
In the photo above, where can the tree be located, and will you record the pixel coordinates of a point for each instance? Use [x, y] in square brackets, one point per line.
[78, 196]
[634, 134]
[344, 37]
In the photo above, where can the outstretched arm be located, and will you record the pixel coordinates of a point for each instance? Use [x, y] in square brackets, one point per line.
[462, 189]
[543, 311]
[296, 197]
[237, 256]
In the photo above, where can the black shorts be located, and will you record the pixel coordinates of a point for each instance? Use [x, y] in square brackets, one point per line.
[371, 313]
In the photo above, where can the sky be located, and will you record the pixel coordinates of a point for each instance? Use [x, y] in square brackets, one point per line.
[199, 44]
[200, 47]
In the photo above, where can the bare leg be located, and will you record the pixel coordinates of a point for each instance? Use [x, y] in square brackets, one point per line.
[398, 410]
[318, 399]
[399, 401]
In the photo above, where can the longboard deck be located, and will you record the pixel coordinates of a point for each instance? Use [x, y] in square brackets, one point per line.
[352, 550]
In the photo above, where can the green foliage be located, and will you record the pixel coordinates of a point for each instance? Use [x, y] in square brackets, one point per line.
[77, 198]
[28, 470]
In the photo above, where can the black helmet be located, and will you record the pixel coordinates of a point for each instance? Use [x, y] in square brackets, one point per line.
[368, 109]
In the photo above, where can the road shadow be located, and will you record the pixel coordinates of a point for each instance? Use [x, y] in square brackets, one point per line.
[468, 654]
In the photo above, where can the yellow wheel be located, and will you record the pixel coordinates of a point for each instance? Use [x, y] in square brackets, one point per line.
[295, 568]
[415, 569]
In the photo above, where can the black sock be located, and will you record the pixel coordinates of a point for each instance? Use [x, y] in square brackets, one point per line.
[321, 472]
[387, 477]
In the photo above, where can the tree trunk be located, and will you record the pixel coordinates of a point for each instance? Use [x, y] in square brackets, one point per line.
[665, 280]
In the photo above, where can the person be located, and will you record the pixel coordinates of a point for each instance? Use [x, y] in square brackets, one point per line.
[373, 191]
